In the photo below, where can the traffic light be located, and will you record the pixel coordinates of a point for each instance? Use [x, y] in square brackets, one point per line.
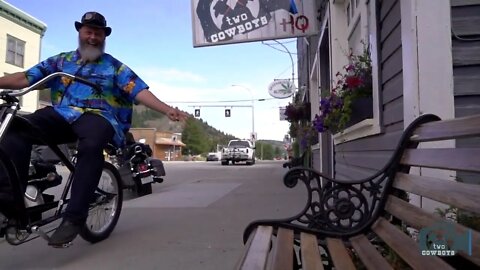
[227, 112]
[197, 112]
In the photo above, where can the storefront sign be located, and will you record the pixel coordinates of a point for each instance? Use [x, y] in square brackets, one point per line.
[217, 22]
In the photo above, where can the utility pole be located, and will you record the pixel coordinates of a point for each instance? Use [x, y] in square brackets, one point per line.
[261, 151]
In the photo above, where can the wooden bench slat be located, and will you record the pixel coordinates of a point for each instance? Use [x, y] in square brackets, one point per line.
[311, 259]
[340, 256]
[369, 255]
[461, 195]
[406, 247]
[257, 251]
[448, 129]
[419, 218]
[283, 251]
[463, 159]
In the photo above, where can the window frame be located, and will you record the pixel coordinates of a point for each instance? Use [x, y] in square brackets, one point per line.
[15, 52]
[369, 126]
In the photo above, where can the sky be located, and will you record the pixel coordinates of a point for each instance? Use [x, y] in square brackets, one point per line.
[154, 38]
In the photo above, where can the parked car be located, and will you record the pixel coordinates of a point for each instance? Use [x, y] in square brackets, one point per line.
[212, 157]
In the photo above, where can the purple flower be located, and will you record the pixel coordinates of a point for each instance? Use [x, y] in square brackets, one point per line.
[303, 142]
[318, 123]
[350, 67]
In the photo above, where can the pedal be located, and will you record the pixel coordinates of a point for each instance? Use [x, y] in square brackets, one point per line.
[41, 233]
[44, 235]
[66, 245]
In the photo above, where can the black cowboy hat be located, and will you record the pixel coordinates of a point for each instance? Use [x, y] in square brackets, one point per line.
[94, 19]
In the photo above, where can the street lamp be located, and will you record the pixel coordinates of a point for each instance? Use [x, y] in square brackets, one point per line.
[291, 59]
[253, 106]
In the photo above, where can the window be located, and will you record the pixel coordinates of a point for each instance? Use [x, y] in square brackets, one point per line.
[356, 24]
[15, 51]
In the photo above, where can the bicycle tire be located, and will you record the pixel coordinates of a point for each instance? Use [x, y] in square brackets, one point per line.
[7, 200]
[102, 200]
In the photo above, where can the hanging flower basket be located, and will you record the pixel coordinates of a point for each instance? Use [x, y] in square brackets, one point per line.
[350, 101]
[298, 112]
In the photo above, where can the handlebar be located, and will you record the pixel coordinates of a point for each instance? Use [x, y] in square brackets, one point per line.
[48, 78]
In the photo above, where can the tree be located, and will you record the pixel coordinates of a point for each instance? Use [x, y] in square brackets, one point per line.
[268, 152]
[264, 150]
[277, 152]
[195, 138]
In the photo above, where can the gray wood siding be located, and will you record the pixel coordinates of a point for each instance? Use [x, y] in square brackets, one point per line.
[360, 158]
[303, 68]
[466, 67]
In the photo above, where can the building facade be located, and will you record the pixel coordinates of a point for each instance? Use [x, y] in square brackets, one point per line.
[20, 46]
[166, 146]
[425, 58]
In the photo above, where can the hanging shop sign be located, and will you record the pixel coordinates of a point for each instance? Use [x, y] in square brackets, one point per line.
[283, 88]
[217, 22]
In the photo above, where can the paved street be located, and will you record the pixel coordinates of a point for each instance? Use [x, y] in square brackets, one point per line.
[194, 220]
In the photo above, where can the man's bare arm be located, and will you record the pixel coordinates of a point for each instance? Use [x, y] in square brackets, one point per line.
[16, 80]
[151, 101]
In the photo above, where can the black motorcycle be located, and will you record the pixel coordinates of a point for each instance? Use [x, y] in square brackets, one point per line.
[137, 168]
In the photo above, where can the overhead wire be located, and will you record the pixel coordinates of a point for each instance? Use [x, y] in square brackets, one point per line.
[221, 101]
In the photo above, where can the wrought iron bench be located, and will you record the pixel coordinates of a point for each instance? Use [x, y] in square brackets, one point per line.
[364, 223]
[296, 162]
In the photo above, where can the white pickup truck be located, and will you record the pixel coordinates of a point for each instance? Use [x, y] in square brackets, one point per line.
[239, 150]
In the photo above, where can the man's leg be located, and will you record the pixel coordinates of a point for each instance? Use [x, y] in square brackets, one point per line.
[17, 142]
[94, 132]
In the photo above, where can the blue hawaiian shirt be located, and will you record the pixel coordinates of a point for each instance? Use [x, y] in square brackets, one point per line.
[119, 87]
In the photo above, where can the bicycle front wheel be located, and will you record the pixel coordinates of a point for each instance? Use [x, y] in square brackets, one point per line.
[105, 207]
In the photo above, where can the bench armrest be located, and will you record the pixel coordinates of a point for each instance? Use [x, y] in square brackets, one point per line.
[333, 208]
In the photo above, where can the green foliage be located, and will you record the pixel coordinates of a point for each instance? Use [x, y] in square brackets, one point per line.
[470, 220]
[296, 149]
[277, 152]
[269, 149]
[215, 137]
[264, 150]
[139, 118]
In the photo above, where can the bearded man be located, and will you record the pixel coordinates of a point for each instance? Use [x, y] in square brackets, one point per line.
[81, 114]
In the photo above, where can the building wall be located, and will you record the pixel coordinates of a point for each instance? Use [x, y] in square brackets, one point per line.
[168, 152]
[22, 26]
[145, 133]
[163, 151]
[465, 18]
[466, 57]
[362, 157]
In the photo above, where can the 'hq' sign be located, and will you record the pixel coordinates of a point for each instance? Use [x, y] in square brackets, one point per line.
[218, 22]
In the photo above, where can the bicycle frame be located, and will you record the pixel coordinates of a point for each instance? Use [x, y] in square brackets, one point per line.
[8, 113]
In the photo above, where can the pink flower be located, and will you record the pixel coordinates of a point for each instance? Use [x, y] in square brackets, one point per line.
[350, 68]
